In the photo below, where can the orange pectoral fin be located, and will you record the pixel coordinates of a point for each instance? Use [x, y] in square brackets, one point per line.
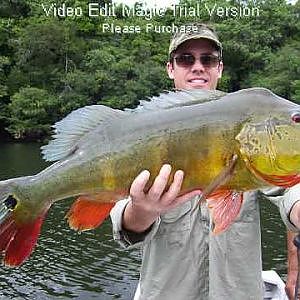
[88, 212]
[17, 240]
[225, 206]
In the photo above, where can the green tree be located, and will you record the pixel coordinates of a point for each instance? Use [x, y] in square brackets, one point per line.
[282, 72]
[31, 112]
[296, 91]
[70, 62]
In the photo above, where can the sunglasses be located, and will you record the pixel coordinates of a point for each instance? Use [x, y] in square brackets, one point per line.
[188, 60]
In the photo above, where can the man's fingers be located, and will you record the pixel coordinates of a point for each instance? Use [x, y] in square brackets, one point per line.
[138, 184]
[160, 182]
[157, 190]
[175, 187]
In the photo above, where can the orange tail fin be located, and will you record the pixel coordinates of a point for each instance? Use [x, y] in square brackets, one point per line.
[17, 241]
[87, 213]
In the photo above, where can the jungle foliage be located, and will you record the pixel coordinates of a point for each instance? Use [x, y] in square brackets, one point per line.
[52, 65]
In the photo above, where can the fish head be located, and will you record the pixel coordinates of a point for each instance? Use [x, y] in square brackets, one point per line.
[270, 147]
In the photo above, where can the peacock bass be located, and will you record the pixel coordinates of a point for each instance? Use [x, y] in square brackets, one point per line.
[225, 144]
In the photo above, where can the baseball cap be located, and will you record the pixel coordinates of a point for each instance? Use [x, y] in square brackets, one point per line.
[195, 31]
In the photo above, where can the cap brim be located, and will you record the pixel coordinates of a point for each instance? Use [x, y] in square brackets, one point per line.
[197, 37]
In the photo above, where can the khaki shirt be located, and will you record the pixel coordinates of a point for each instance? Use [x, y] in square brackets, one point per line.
[183, 260]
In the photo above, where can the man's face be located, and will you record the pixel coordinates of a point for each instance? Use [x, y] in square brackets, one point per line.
[195, 76]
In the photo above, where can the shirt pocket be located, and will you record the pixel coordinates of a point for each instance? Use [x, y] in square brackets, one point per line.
[177, 220]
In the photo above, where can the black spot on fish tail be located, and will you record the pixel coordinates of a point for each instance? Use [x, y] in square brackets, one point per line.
[10, 202]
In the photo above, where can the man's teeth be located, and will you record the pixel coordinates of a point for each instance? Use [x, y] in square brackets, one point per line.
[198, 80]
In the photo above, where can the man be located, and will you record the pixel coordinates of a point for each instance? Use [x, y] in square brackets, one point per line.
[292, 266]
[181, 257]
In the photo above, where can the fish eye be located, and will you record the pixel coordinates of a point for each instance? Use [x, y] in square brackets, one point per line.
[296, 117]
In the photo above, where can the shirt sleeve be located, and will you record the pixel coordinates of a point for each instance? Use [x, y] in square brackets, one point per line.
[129, 239]
[285, 200]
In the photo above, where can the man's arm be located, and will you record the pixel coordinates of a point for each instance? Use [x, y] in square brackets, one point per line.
[295, 214]
[292, 250]
[292, 266]
[289, 206]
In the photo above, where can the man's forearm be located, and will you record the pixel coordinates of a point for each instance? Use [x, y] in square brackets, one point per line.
[292, 253]
[295, 214]
[292, 268]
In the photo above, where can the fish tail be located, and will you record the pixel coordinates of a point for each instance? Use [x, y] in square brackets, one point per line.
[19, 226]
[7, 201]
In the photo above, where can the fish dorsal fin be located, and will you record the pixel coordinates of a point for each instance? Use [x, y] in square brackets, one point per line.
[73, 127]
[78, 123]
[178, 98]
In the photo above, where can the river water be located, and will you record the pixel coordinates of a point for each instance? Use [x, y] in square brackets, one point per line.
[68, 265]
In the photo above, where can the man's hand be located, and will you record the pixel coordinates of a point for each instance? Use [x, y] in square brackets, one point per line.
[292, 266]
[290, 286]
[145, 208]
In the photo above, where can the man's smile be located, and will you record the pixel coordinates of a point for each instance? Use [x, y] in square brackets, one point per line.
[198, 80]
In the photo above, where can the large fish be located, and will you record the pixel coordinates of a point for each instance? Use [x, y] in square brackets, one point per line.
[225, 144]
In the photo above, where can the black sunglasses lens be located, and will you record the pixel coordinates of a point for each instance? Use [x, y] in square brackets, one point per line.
[209, 60]
[185, 60]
